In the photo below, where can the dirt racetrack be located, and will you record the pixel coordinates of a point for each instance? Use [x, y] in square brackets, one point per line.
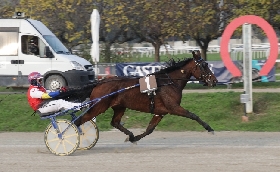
[158, 152]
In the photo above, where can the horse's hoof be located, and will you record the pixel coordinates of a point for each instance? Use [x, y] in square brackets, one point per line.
[211, 132]
[135, 143]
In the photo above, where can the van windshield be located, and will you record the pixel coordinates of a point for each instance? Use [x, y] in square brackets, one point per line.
[56, 45]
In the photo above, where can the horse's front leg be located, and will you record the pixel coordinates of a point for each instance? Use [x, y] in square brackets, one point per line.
[152, 125]
[116, 122]
[185, 113]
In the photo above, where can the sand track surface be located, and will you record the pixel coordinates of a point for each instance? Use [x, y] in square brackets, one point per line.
[158, 152]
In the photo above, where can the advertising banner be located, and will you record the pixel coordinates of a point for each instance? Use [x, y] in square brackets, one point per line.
[217, 67]
[138, 69]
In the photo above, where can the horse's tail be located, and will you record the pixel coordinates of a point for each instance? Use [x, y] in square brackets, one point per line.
[78, 93]
[86, 90]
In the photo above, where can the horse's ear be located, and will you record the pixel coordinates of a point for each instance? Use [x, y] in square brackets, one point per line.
[194, 54]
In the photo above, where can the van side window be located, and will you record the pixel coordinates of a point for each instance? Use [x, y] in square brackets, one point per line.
[32, 45]
[8, 41]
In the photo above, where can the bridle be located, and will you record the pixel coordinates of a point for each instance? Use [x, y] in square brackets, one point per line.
[205, 75]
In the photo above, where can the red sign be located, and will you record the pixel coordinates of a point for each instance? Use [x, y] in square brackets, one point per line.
[270, 33]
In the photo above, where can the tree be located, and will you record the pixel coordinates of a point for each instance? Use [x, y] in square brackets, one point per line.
[7, 8]
[267, 9]
[69, 20]
[151, 21]
[205, 21]
[111, 33]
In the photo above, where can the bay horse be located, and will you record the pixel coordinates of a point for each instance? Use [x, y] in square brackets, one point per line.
[170, 80]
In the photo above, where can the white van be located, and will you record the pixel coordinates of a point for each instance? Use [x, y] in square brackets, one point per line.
[53, 60]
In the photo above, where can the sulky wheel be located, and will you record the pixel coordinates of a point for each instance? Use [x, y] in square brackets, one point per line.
[89, 135]
[67, 143]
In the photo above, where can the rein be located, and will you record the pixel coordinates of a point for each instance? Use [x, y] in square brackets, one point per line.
[181, 79]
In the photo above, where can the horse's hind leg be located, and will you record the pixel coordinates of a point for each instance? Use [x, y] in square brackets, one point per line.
[93, 112]
[152, 125]
[116, 121]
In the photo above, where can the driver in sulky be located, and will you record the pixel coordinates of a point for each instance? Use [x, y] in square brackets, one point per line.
[37, 96]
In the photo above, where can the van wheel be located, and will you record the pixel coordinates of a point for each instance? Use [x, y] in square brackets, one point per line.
[55, 82]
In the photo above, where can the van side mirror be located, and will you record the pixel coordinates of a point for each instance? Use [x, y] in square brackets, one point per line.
[48, 52]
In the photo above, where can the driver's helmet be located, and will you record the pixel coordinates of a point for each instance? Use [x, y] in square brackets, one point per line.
[34, 76]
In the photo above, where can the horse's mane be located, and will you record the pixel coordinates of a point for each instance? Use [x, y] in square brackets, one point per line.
[172, 65]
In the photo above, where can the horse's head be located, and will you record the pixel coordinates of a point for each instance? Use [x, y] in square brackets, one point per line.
[201, 70]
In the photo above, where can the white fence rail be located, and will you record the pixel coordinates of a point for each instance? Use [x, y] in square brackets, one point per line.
[259, 51]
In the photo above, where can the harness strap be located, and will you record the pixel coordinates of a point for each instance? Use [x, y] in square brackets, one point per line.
[152, 100]
[165, 84]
